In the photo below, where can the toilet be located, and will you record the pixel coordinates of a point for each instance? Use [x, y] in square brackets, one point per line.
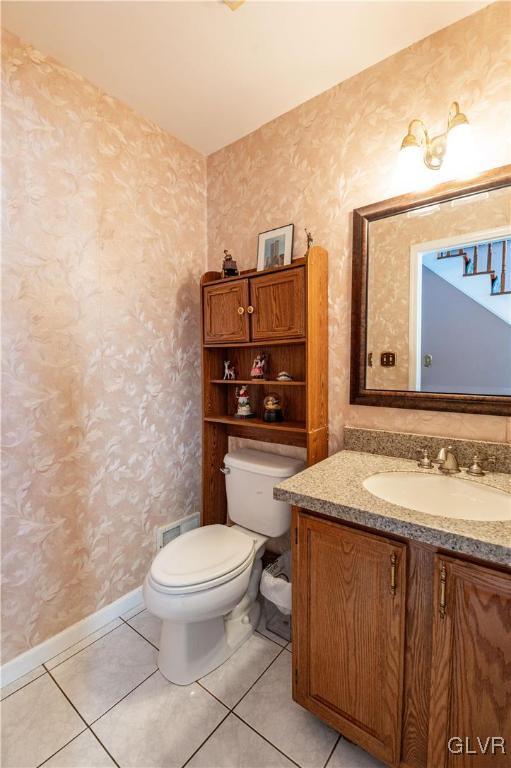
[204, 585]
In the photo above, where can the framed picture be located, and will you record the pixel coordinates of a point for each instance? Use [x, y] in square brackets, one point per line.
[275, 247]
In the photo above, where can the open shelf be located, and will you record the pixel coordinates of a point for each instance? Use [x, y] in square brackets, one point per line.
[279, 426]
[264, 382]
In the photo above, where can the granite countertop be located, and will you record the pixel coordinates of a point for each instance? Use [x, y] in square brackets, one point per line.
[334, 488]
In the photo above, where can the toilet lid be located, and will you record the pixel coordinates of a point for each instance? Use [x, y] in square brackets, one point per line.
[201, 555]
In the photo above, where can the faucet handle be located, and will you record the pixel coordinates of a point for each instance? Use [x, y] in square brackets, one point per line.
[491, 463]
[425, 462]
[475, 468]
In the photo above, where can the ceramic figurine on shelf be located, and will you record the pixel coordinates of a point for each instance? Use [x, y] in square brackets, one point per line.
[244, 410]
[229, 267]
[284, 376]
[309, 241]
[259, 366]
[272, 408]
[229, 370]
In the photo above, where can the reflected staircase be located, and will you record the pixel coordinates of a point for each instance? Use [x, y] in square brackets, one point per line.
[473, 256]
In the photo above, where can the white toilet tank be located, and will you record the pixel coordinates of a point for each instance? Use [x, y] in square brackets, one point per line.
[250, 478]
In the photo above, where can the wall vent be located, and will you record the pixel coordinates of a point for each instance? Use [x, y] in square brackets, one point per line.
[166, 533]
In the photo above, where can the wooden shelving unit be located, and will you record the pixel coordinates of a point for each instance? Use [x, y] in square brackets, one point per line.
[282, 312]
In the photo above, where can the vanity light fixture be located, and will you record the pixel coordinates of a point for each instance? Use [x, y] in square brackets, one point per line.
[452, 151]
[234, 4]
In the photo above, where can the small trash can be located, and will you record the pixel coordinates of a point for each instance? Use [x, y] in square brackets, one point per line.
[276, 588]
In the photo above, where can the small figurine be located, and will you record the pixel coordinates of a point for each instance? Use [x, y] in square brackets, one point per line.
[284, 376]
[244, 409]
[309, 241]
[229, 370]
[229, 267]
[272, 408]
[259, 366]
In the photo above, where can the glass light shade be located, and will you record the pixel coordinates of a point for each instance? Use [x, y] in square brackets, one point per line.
[460, 160]
[411, 173]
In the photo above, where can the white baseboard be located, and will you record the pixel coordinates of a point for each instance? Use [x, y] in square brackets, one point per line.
[32, 658]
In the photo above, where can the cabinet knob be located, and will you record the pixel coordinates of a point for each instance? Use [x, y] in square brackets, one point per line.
[241, 310]
[250, 310]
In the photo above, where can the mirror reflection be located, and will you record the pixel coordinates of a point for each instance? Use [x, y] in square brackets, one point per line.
[439, 298]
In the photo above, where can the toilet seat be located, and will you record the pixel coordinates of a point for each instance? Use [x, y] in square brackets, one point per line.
[202, 558]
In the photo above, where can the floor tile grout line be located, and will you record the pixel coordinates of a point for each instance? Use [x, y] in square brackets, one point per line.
[260, 676]
[106, 750]
[8, 696]
[140, 634]
[81, 649]
[265, 738]
[339, 737]
[75, 709]
[198, 682]
[135, 614]
[231, 709]
[207, 738]
[122, 698]
[39, 765]
[261, 634]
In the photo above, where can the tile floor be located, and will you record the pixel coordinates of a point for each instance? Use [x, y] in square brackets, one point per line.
[103, 703]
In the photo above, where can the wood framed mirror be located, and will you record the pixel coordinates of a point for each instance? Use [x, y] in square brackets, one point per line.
[431, 299]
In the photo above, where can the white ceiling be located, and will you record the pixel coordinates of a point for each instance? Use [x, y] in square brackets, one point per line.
[209, 75]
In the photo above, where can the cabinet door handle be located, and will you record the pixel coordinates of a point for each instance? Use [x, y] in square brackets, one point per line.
[393, 574]
[443, 588]
[241, 310]
[250, 310]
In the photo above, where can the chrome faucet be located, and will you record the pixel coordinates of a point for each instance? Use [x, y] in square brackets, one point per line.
[447, 461]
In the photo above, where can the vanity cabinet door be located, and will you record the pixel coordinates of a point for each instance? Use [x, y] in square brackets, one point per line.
[471, 667]
[348, 631]
[278, 302]
[225, 312]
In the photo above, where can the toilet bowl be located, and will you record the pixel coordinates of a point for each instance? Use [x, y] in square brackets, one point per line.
[204, 584]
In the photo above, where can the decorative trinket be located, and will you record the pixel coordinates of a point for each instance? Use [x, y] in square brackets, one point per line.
[309, 241]
[244, 409]
[229, 370]
[229, 267]
[259, 366]
[284, 376]
[272, 408]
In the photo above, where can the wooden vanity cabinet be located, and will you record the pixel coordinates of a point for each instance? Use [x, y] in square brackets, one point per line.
[401, 659]
[348, 631]
[471, 664]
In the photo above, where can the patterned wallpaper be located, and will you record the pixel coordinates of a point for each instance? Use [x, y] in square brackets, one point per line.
[104, 239]
[336, 152]
[389, 298]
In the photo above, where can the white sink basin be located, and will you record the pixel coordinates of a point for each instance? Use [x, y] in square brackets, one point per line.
[440, 495]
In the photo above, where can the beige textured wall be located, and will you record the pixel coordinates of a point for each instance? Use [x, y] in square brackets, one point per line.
[315, 164]
[389, 273]
[104, 240]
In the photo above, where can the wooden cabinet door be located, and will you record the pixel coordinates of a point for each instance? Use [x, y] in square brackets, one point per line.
[471, 667]
[225, 312]
[278, 303]
[348, 631]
